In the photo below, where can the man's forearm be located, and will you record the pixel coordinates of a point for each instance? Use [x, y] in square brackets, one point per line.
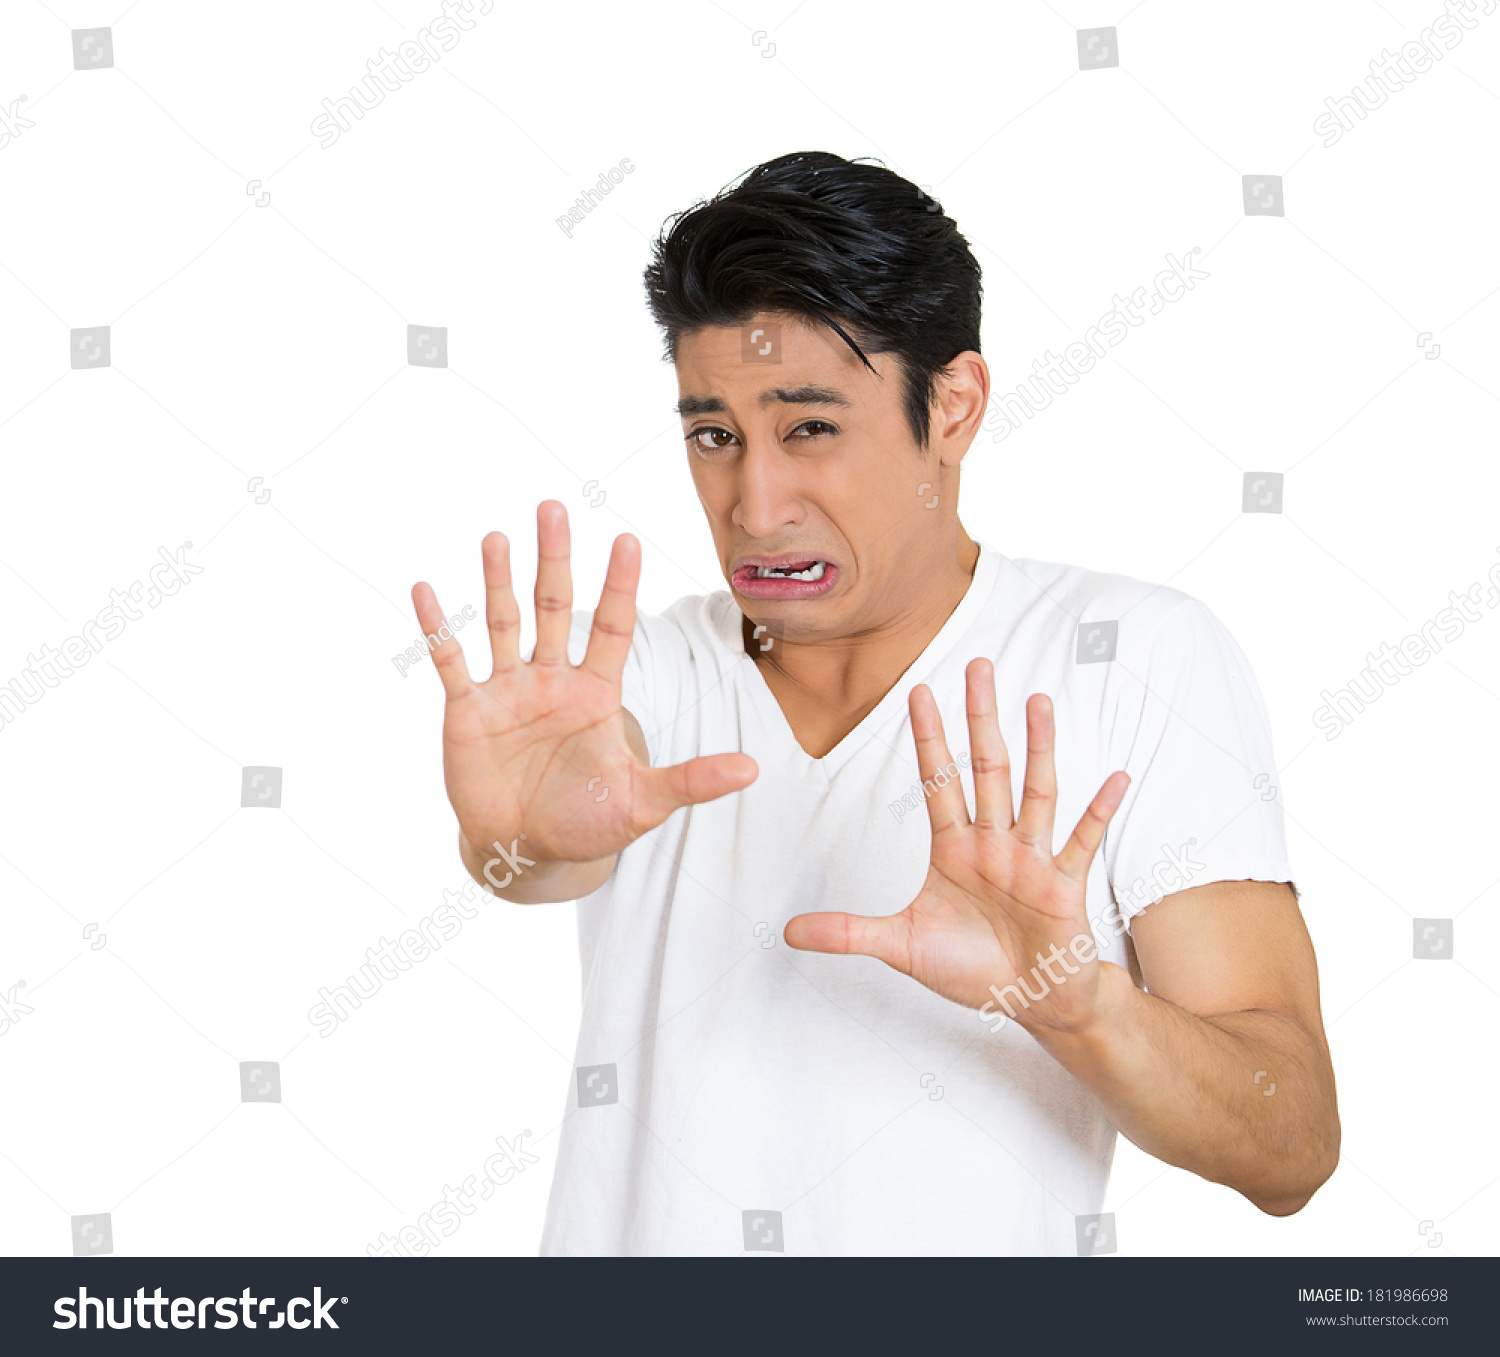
[520, 881]
[1244, 1099]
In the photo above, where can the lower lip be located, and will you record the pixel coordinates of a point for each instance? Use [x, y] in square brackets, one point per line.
[749, 585]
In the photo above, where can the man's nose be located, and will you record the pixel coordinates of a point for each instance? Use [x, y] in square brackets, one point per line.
[766, 489]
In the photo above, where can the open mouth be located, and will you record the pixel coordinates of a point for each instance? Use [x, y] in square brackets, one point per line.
[792, 579]
[813, 570]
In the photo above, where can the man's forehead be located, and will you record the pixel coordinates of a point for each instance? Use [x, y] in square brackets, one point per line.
[813, 367]
[816, 352]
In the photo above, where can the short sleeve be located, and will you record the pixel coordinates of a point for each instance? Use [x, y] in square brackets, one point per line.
[1191, 729]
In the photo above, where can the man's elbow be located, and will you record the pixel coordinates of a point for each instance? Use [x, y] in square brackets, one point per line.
[1284, 1206]
[1292, 1195]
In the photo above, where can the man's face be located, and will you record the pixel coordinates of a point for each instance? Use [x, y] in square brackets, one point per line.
[809, 465]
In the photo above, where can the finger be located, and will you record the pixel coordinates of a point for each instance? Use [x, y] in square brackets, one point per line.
[1039, 793]
[886, 938]
[501, 611]
[447, 654]
[554, 584]
[614, 618]
[664, 790]
[946, 807]
[994, 807]
[1078, 853]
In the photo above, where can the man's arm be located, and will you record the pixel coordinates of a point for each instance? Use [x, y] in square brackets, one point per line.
[1185, 1071]
[548, 882]
[1223, 1067]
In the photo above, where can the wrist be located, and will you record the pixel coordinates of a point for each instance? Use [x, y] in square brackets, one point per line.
[521, 880]
[1090, 1038]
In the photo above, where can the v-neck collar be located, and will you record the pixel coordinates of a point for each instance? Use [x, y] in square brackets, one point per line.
[890, 711]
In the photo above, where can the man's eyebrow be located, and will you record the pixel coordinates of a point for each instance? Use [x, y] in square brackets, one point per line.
[795, 395]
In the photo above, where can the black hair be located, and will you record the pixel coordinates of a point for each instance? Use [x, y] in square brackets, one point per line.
[850, 244]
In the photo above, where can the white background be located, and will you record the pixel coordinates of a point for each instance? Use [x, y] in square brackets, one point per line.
[271, 341]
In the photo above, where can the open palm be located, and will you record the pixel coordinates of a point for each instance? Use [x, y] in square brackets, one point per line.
[540, 749]
[996, 900]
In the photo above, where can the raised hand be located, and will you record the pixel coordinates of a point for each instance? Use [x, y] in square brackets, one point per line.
[540, 749]
[997, 908]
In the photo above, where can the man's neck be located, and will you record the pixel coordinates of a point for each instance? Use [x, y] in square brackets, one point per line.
[826, 689]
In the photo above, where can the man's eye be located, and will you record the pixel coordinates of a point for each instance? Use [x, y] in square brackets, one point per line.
[710, 440]
[815, 428]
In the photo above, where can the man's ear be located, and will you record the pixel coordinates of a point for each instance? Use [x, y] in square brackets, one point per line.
[963, 394]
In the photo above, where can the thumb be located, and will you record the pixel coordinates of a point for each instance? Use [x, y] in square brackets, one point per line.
[664, 790]
[887, 937]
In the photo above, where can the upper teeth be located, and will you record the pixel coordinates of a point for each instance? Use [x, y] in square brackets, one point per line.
[813, 572]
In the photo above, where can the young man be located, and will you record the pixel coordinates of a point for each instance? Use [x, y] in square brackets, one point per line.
[855, 980]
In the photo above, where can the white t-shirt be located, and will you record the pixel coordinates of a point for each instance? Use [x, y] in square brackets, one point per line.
[738, 1094]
